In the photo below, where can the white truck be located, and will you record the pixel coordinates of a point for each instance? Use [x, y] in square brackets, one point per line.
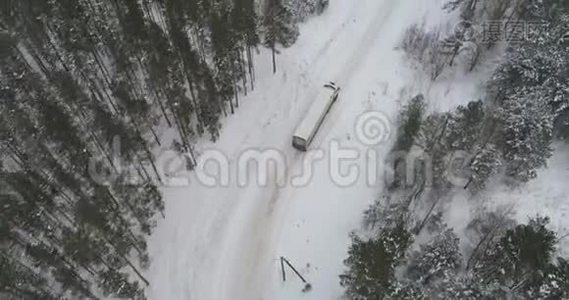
[308, 127]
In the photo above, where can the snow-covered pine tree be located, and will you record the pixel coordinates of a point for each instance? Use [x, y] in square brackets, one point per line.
[519, 263]
[539, 65]
[486, 163]
[465, 126]
[410, 121]
[484, 231]
[279, 26]
[77, 74]
[436, 261]
[371, 263]
[306, 8]
[526, 132]
[244, 20]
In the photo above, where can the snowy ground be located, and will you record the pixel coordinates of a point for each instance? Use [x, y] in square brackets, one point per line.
[546, 196]
[225, 242]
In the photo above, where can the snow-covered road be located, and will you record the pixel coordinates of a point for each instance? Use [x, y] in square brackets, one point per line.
[225, 242]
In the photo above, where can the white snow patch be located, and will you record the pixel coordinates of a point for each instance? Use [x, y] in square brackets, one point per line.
[546, 196]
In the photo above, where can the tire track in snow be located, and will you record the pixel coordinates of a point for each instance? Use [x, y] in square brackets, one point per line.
[334, 38]
[267, 215]
[344, 75]
[366, 43]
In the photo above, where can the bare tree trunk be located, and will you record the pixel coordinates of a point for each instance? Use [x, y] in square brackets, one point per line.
[131, 265]
[148, 153]
[243, 72]
[251, 67]
[156, 138]
[222, 105]
[194, 101]
[480, 243]
[148, 177]
[137, 271]
[274, 60]
[231, 106]
[162, 108]
[427, 217]
[236, 95]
